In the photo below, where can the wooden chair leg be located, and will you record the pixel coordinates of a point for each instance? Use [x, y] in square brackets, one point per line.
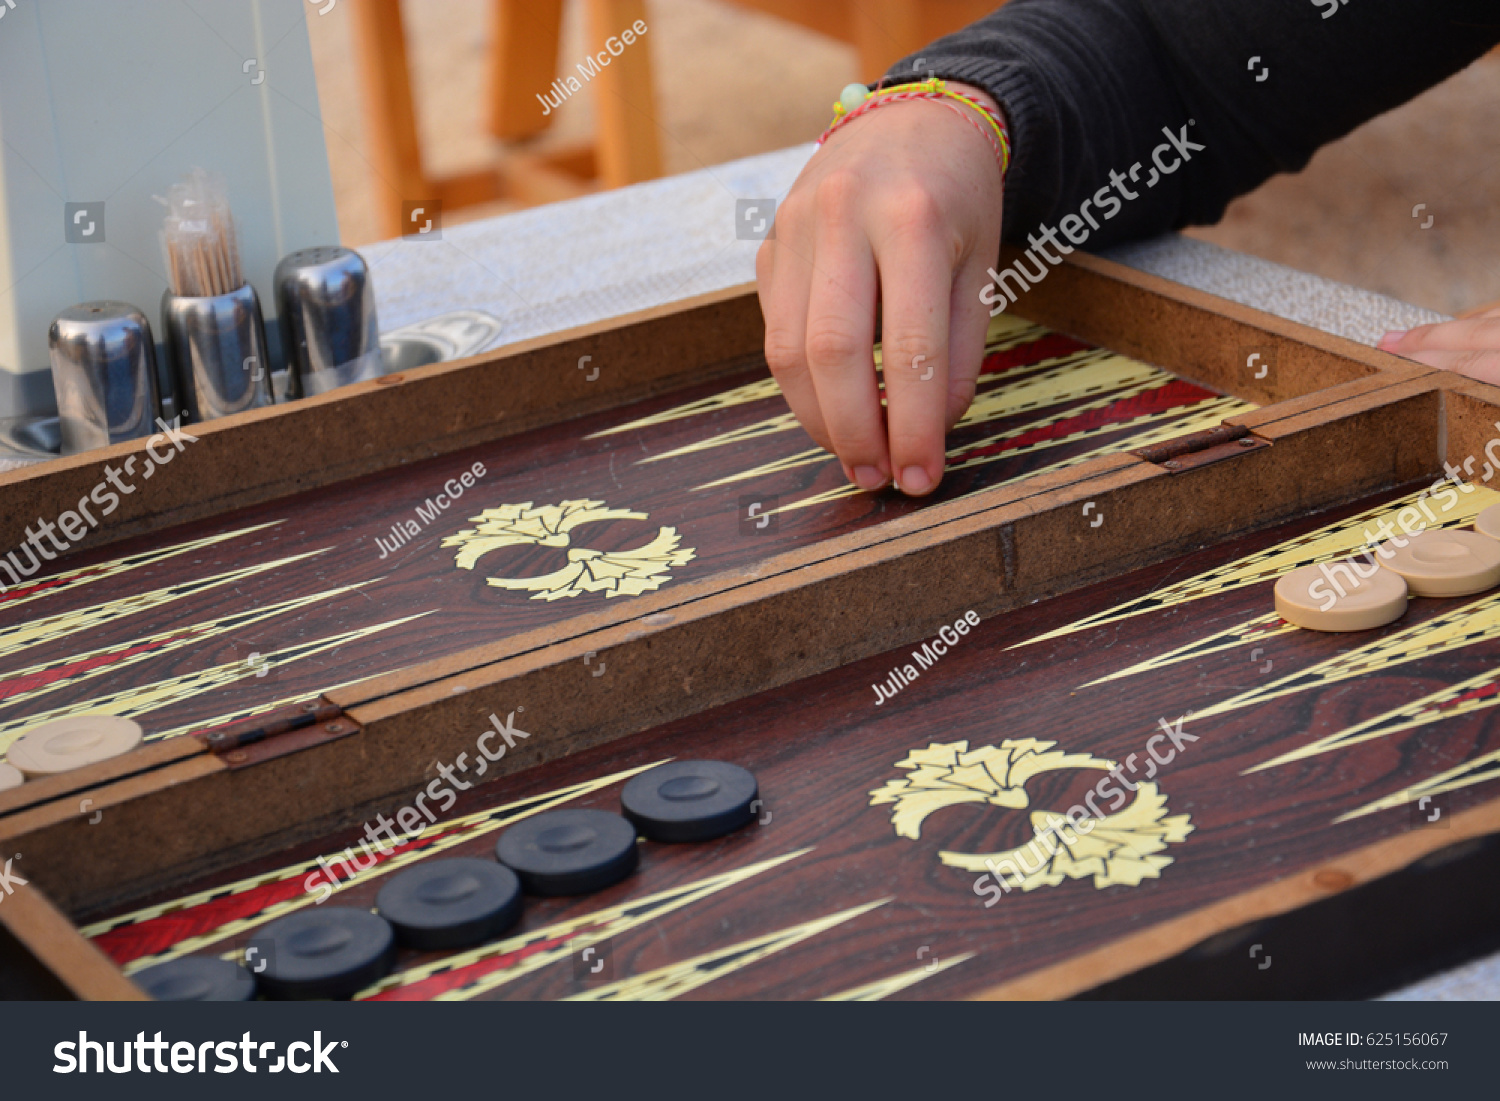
[629, 148]
[395, 152]
[884, 32]
[832, 18]
[523, 62]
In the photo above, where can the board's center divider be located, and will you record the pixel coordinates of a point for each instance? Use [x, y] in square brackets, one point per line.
[712, 640]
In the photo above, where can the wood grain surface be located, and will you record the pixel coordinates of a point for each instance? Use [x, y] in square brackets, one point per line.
[822, 747]
[298, 597]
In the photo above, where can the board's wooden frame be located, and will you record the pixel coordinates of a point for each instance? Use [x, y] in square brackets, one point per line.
[1337, 421]
[268, 453]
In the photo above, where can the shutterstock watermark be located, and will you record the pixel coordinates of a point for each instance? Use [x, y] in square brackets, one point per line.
[754, 219]
[415, 818]
[193, 1057]
[1011, 871]
[1168, 157]
[9, 880]
[83, 223]
[1340, 576]
[77, 522]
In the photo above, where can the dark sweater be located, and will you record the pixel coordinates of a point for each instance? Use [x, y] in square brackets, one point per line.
[1089, 86]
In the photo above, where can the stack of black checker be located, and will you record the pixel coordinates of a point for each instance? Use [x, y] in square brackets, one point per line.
[336, 951]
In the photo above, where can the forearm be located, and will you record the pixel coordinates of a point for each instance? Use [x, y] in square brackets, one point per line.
[1088, 88]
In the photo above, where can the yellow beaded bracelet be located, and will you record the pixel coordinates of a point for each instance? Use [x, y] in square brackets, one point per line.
[856, 99]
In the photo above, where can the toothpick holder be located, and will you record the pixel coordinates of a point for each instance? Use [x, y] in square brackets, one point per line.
[217, 348]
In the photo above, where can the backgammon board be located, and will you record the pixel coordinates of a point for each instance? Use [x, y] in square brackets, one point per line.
[393, 569]
[620, 541]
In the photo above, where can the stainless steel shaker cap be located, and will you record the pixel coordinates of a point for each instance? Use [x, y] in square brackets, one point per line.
[104, 371]
[325, 307]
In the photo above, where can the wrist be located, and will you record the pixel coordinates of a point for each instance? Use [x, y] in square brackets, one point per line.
[978, 95]
[986, 101]
[972, 104]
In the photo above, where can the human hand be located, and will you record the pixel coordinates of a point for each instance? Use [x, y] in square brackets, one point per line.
[901, 205]
[1470, 345]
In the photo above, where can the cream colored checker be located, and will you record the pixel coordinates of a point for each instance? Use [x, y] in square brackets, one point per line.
[1439, 562]
[1488, 522]
[65, 744]
[10, 777]
[1350, 595]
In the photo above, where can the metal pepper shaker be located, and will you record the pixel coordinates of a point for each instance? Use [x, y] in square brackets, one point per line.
[325, 306]
[104, 372]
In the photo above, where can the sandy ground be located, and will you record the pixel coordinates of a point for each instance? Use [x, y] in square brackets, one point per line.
[1348, 216]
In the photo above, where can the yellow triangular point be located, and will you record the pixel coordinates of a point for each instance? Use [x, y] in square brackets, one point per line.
[884, 988]
[809, 457]
[1004, 332]
[1068, 379]
[1043, 422]
[1453, 630]
[450, 833]
[53, 627]
[1168, 424]
[1481, 770]
[1081, 379]
[130, 703]
[1241, 634]
[151, 646]
[674, 980]
[69, 580]
[758, 390]
[575, 934]
[1446, 703]
[1336, 540]
[782, 422]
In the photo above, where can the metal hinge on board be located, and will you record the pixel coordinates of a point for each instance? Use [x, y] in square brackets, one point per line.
[1201, 448]
[284, 730]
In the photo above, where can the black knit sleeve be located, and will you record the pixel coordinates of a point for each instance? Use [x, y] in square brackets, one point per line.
[1139, 116]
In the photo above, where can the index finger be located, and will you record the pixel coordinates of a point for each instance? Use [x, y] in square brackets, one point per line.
[916, 279]
[840, 348]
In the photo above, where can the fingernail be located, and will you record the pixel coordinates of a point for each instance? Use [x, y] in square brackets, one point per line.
[1391, 337]
[914, 481]
[867, 477]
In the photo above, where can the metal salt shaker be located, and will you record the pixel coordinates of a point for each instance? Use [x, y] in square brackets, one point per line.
[104, 372]
[325, 306]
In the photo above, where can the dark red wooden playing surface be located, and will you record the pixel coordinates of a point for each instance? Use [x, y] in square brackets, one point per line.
[821, 746]
[542, 467]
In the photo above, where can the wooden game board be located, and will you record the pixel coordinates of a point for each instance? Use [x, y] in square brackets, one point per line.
[653, 564]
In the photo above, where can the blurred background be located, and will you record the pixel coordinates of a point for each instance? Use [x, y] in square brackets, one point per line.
[345, 120]
[731, 79]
